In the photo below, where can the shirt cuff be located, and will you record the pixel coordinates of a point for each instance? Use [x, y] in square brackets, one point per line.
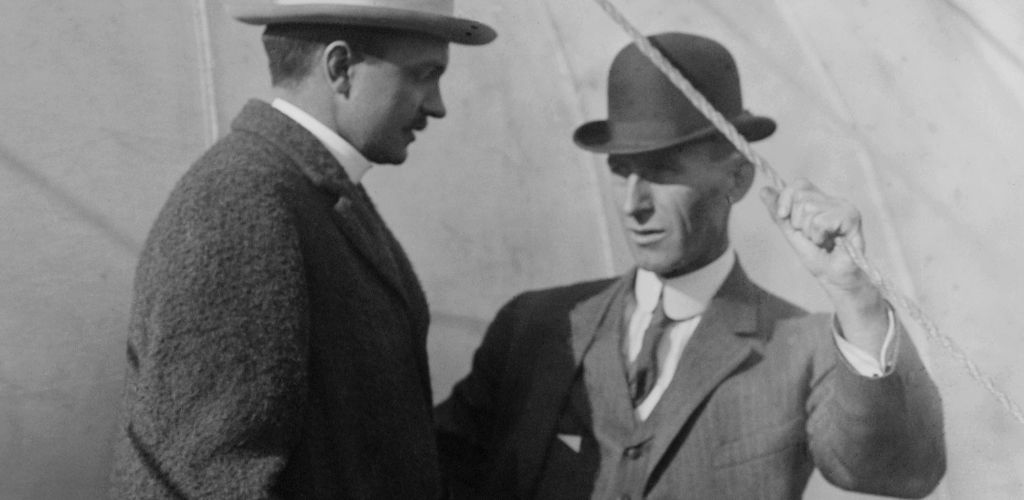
[863, 362]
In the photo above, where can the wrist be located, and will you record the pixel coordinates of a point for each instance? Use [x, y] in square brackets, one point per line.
[862, 314]
[853, 289]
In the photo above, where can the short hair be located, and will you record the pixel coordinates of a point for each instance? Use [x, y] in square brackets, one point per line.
[292, 49]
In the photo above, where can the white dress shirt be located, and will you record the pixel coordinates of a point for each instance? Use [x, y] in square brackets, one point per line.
[685, 299]
[354, 163]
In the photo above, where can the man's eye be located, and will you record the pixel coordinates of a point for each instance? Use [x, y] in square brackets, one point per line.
[430, 74]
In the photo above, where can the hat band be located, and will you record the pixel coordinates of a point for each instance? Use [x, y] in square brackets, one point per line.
[438, 7]
[651, 130]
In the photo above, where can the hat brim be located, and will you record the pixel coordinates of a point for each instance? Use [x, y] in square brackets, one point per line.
[597, 136]
[454, 29]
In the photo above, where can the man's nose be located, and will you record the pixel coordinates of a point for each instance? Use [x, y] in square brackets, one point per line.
[434, 104]
[637, 202]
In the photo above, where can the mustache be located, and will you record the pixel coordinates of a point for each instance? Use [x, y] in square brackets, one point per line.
[419, 124]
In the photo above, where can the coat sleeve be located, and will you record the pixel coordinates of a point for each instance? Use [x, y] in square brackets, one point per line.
[219, 334]
[468, 422]
[876, 435]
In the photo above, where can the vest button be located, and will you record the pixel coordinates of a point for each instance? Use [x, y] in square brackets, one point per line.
[633, 452]
[624, 497]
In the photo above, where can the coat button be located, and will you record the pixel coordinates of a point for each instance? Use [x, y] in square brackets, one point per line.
[633, 452]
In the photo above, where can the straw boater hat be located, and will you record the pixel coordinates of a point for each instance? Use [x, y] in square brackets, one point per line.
[646, 112]
[431, 17]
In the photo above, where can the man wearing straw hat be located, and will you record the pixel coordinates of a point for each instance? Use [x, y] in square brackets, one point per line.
[277, 345]
[682, 378]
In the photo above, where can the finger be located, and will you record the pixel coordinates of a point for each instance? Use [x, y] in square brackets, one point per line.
[850, 226]
[840, 219]
[799, 190]
[803, 184]
[799, 240]
[796, 239]
[770, 197]
[803, 212]
[784, 203]
[822, 230]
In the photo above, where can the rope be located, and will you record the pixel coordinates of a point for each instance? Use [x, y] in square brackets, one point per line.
[888, 290]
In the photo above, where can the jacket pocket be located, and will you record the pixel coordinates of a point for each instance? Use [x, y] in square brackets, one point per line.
[760, 443]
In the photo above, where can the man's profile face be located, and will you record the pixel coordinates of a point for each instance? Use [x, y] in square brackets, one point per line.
[396, 93]
[674, 205]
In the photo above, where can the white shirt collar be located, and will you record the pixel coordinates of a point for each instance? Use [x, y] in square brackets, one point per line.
[687, 295]
[354, 163]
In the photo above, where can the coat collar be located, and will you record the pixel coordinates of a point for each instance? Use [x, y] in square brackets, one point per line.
[354, 213]
[306, 151]
[355, 164]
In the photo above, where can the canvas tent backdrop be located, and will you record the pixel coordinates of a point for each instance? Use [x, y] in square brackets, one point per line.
[912, 109]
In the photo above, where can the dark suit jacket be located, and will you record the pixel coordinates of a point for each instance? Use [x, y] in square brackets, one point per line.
[760, 398]
[277, 344]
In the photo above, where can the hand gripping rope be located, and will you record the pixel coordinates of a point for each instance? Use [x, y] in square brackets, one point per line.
[888, 290]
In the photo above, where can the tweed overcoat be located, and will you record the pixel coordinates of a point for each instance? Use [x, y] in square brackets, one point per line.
[277, 344]
[760, 398]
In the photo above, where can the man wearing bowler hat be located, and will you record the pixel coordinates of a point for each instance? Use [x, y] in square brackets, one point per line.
[682, 378]
[277, 345]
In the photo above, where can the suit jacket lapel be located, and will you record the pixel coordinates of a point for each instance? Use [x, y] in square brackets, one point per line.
[605, 390]
[556, 370]
[726, 337]
[601, 313]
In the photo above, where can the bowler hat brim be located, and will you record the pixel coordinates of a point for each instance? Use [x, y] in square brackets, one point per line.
[600, 137]
[454, 29]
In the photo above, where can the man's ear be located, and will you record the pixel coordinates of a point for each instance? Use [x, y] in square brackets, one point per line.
[340, 58]
[741, 173]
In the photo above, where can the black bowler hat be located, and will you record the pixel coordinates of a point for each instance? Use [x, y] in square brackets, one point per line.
[646, 112]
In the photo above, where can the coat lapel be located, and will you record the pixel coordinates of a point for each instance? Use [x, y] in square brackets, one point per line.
[556, 370]
[726, 337]
[354, 214]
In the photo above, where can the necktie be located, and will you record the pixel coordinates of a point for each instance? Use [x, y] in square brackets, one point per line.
[643, 372]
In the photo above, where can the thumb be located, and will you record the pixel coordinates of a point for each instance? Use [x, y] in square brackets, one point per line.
[770, 198]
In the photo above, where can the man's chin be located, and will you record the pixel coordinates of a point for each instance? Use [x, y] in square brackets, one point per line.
[657, 267]
[664, 267]
[396, 157]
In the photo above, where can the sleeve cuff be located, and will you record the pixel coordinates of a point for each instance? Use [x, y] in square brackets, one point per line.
[863, 362]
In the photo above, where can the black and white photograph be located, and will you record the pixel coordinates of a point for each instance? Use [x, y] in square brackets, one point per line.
[511, 250]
